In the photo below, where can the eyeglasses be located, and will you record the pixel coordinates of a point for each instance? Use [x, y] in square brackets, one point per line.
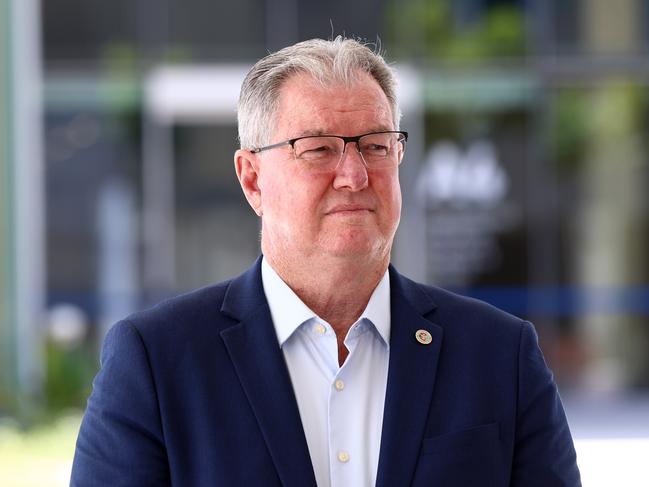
[323, 153]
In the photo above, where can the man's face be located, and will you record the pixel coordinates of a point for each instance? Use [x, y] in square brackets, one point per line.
[347, 212]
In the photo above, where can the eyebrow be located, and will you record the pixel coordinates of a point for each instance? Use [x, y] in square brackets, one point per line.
[310, 133]
[315, 133]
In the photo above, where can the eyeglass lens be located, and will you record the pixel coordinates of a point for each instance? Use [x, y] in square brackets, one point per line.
[325, 152]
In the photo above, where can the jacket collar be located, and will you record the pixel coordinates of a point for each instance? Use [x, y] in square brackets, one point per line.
[411, 380]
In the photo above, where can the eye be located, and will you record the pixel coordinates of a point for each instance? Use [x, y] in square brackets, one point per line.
[316, 148]
[375, 150]
[378, 145]
[319, 152]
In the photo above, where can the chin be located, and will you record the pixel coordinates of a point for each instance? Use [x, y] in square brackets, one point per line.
[356, 245]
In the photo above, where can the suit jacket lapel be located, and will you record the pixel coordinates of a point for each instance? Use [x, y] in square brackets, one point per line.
[411, 378]
[259, 363]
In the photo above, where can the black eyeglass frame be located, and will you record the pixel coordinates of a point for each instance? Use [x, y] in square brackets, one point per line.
[347, 140]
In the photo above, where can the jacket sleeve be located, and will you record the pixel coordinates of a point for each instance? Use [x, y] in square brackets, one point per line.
[544, 454]
[121, 441]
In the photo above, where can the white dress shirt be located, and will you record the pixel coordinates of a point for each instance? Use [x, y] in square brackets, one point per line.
[341, 408]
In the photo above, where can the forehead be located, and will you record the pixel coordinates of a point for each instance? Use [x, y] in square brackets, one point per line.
[307, 107]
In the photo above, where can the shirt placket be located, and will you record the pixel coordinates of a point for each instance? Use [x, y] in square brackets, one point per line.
[343, 457]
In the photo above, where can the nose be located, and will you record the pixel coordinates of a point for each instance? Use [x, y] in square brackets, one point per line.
[351, 172]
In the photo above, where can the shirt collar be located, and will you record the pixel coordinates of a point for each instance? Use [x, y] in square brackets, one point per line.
[289, 312]
[286, 309]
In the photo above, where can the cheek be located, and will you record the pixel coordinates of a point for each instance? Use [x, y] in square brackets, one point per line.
[397, 197]
[395, 190]
[290, 198]
[274, 192]
[389, 192]
[395, 210]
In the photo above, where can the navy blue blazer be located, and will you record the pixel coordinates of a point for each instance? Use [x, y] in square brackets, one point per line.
[195, 392]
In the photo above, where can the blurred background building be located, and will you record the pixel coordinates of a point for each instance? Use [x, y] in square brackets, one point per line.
[524, 180]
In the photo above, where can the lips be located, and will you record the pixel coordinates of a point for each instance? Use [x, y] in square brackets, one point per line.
[347, 208]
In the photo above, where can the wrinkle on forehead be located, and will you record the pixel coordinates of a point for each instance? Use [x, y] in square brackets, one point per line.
[324, 105]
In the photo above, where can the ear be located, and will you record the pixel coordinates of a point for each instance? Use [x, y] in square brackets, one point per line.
[246, 164]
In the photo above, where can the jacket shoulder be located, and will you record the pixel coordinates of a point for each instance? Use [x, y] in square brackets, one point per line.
[454, 311]
[188, 310]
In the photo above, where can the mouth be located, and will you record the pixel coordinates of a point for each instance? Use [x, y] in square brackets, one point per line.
[349, 210]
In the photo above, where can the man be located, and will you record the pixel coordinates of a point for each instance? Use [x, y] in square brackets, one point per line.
[322, 365]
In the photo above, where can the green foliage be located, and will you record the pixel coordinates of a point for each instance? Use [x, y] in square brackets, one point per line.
[606, 111]
[570, 129]
[69, 376]
[426, 29]
[120, 58]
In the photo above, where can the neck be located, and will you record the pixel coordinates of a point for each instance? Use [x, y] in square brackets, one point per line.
[340, 288]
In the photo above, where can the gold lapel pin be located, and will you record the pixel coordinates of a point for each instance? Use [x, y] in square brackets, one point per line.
[423, 337]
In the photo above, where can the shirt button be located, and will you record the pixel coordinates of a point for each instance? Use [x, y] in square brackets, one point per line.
[319, 329]
[339, 385]
[343, 456]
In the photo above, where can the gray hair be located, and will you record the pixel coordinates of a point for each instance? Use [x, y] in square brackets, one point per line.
[327, 61]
